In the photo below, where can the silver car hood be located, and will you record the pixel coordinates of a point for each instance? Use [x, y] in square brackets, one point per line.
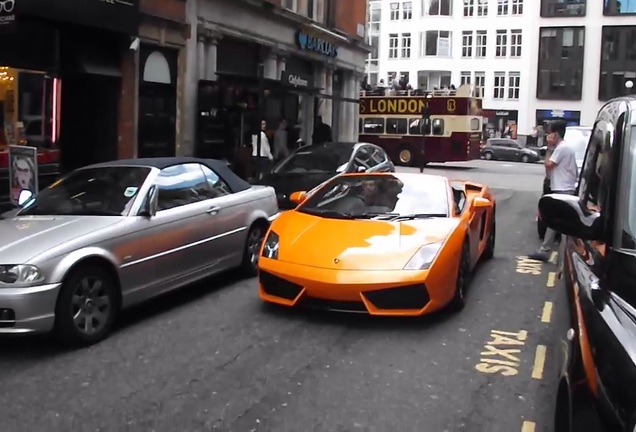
[24, 238]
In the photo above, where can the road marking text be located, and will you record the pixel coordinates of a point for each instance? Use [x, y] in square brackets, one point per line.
[527, 265]
[498, 357]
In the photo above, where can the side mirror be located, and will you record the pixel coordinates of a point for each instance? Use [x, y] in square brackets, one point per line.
[24, 197]
[565, 214]
[151, 203]
[481, 203]
[361, 169]
[298, 197]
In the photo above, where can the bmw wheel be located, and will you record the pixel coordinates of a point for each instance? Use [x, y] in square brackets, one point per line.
[87, 306]
[255, 238]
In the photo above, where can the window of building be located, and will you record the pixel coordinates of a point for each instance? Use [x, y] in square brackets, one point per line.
[514, 85]
[618, 62]
[480, 84]
[499, 87]
[560, 63]
[406, 45]
[501, 40]
[503, 7]
[469, 8]
[393, 45]
[558, 8]
[464, 77]
[619, 7]
[482, 8]
[515, 43]
[374, 41]
[407, 10]
[481, 37]
[395, 11]
[435, 43]
[467, 44]
[390, 77]
[516, 7]
[437, 7]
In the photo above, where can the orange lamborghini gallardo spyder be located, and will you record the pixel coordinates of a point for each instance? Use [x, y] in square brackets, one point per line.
[383, 244]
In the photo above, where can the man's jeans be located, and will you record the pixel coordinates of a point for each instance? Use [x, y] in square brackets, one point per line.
[550, 237]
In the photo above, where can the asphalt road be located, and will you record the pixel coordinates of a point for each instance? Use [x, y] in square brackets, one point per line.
[214, 358]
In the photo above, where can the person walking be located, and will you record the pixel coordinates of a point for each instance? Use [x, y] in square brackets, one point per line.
[560, 165]
[280, 141]
[322, 132]
[261, 161]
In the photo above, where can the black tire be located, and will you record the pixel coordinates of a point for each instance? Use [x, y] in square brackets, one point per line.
[488, 155]
[255, 237]
[405, 156]
[525, 158]
[541, 229]
[89, 292]
[489, 251]
[463, 275]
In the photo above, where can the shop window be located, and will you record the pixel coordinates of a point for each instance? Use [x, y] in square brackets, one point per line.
[373, 125]
[396, 126]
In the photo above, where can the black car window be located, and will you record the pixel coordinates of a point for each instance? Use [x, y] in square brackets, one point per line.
[218, 187]
[181, 185]
[319, 159]
[103, 191]
[593, 188]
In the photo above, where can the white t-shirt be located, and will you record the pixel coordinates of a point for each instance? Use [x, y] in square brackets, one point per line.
[564, 175]
[266, 151]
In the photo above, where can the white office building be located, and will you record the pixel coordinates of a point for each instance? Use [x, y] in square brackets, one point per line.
[531, 61]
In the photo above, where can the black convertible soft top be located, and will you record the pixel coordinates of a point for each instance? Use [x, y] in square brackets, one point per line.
[235, 183]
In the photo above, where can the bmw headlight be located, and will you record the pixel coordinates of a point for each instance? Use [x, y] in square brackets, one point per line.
[20, 275]
[270, 247]
[424, 257]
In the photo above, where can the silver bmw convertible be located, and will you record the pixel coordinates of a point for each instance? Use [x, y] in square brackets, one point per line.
[112, 235]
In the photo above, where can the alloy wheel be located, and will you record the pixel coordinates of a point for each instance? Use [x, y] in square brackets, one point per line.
[91, 305]
[254, 242]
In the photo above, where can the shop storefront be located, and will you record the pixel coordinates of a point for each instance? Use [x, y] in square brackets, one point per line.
[545, 116]
[500, 123]
[60, 81]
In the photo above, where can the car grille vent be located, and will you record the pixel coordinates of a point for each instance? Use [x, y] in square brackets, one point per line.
[279, 287]
[410, 297]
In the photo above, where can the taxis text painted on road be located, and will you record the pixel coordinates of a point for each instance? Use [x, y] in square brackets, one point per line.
[501, 353]
[529, 266]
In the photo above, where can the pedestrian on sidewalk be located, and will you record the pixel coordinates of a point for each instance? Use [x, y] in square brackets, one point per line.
[261, 161]
[281, 150]
[560, 165]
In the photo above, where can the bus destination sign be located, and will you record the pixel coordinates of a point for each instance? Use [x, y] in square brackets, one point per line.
[414, 106]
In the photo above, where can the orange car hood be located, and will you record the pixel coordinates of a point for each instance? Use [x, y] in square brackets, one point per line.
[355, 244]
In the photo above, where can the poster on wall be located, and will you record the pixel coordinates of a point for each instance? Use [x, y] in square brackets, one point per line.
[500, 123]
[23, 171]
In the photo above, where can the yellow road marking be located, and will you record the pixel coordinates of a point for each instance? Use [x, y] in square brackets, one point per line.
[547, 312]
[539, 362]
[551, 279]
[528, 426]
[553, 257]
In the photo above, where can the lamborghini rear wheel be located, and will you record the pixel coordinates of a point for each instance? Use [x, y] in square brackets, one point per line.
[463, 273]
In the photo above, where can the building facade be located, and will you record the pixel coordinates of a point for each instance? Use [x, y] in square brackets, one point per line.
[438, 43]
[252, 60]
[585, 56]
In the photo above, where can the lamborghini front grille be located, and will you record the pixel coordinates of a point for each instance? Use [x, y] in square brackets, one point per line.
[410, 297]
[279, 287]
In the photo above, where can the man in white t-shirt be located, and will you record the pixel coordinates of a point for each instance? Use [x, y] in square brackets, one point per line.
[561, 168]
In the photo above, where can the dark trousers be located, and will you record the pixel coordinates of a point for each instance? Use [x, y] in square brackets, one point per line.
[261, 166]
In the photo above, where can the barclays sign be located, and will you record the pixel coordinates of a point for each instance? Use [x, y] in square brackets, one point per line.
[311, 43]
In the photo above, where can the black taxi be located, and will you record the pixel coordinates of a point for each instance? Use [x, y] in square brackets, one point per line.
[599, 273]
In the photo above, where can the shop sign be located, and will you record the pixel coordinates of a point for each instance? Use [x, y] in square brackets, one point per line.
[315, 44]
[294, 80]
[23, 171]
[558, 114]
[7, 17]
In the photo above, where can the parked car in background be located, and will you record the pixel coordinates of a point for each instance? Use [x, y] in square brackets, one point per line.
[578, 136]
[509, 150]
[113, 235]
[599, 274]
[309, 166]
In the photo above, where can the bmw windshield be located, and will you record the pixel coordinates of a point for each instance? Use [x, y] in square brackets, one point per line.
[316, 160]
[104, 191]
[373, 196]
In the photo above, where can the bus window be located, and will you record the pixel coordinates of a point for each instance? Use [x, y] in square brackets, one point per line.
[438, 127]
[475, 124]
[360, 126]
[414, 126]
[396, 126]
[373, 125]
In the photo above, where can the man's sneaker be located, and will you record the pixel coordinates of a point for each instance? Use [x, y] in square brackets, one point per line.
[540, 256]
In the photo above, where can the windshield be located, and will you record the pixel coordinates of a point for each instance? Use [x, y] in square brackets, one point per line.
[318, 160]
[379, 195]
[105, 191]
[578, 138]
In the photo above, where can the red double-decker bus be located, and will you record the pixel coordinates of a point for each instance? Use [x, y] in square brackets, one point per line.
[395, 121]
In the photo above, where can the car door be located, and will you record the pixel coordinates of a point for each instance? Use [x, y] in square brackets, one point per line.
[603, 276]
[515, 150]
[172, 242]
[229, 213]
[498, 149]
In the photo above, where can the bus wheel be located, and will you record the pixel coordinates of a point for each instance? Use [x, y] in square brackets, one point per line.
[405, 156]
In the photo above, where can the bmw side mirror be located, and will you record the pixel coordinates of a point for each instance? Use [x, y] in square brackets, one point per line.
[151, 203]
[24, 197]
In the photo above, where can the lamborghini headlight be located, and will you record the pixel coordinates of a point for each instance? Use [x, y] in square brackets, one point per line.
[270, 247]
[13, 275]
[424, 257]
